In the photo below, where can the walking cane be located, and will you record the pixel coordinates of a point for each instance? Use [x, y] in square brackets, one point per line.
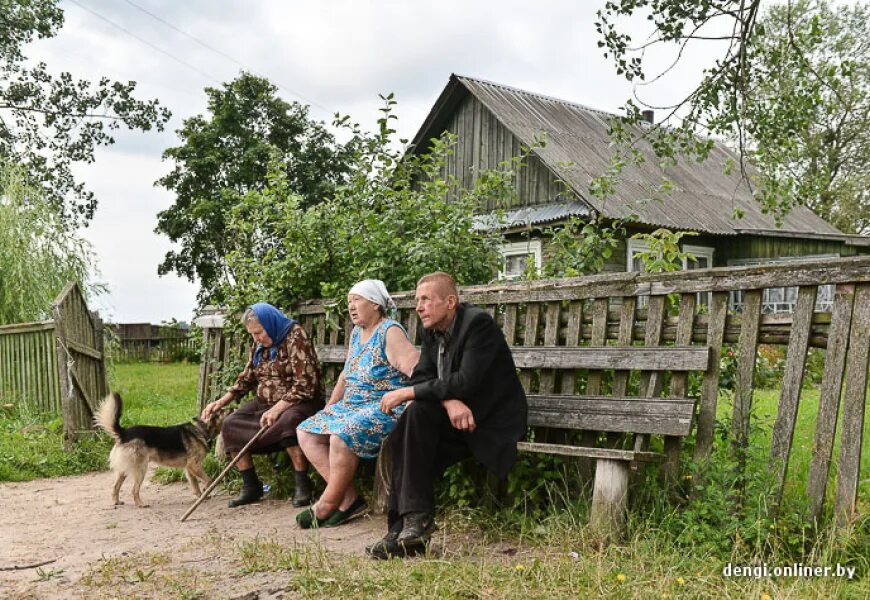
[217, 479]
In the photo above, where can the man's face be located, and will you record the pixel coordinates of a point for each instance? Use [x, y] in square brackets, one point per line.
[435, 307]
[259, 334]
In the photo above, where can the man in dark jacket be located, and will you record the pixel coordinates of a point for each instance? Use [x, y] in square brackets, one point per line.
[467, 400]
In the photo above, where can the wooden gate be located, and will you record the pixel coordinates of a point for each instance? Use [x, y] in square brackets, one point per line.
[80, 361]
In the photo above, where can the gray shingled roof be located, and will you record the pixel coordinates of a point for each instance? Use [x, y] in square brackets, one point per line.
[578, 149]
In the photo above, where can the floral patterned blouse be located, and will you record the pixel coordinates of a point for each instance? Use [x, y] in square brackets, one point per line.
[294, 375]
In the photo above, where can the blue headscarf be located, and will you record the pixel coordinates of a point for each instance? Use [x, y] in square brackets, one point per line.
[276, 325]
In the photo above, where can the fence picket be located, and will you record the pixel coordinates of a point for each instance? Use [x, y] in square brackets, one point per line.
[854, 403]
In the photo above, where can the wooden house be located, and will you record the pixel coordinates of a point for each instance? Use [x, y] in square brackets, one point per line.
[493, 122]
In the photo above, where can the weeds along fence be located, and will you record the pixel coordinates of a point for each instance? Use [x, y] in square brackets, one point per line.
[687, 308]
[57, 365]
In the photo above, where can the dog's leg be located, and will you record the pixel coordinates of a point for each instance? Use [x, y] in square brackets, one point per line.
[195, 471]
[192, 479]
[139, 477]
[116, 490]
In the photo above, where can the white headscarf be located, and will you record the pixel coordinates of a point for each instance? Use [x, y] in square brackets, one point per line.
[375, 291]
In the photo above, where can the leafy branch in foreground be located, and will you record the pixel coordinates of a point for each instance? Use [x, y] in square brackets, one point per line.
[789, 89]
[48, 122]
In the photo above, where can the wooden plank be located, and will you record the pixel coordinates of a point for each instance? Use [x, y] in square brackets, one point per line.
[854, 403]
[710, 384]
[83, 349]
[510, 323]
[530, 336]
[792, 383]
[747, 349]
[651, 381]
[654, 416]
[626, 337]
[15, 328]
[589, 452]
[829, 399]
[572, 339]
[551, 336]
[679, 385]
[662, 358]
[599, 338]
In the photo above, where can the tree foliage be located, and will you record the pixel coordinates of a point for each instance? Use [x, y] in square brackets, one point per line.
[225, 155]
[789, 89]
[40, 252]
[50, 122]
[391, 220]
[816, 144]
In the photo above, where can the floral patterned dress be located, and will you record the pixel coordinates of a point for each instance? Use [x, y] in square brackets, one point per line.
[357, 418]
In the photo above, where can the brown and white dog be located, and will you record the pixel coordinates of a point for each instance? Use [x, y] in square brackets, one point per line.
[181, 446]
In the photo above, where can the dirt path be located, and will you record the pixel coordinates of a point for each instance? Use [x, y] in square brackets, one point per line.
[70, 521]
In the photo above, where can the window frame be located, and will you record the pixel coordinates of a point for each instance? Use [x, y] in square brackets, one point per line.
[528, 248]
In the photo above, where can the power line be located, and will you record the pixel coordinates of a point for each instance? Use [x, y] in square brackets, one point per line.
[146, 42]
[224, 54]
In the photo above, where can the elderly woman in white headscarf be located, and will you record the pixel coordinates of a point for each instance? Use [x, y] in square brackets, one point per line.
[352, 426]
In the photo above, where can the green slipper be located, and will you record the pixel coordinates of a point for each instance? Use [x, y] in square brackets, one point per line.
[342, 516]
[307, 520]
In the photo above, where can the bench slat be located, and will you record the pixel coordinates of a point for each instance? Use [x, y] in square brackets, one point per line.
[654, 416]
[608, 453]
[612, 357]
[605, 357]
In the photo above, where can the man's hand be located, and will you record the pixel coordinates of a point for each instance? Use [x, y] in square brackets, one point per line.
[392, 399]
[460, 415]
[268, 418]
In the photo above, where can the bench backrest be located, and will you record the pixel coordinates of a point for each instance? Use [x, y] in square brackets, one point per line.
[646, 413]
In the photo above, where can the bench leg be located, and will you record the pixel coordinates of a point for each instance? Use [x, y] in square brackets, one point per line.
[609, 499]
[383, 474]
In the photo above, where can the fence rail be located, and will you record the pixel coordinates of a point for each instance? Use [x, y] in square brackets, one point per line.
[602, 309]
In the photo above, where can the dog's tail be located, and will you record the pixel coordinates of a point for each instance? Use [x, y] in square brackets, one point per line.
[108, 417]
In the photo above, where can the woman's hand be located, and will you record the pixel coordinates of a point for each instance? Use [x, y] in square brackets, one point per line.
[268, 418]
[392, 399]
[212, 407]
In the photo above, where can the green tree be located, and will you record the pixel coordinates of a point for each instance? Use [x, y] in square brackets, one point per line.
[225, 155]
[818, 153]
[40, 252]
[50, 122]
[391, 220]
[780, 89]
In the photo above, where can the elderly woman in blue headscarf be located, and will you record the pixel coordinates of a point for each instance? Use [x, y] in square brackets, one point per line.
[352, 426]
[282, 367]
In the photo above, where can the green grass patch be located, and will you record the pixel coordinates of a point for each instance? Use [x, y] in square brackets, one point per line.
[31, 443]
[644, 568]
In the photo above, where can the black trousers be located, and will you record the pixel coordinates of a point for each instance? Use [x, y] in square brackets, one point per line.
[422, 446]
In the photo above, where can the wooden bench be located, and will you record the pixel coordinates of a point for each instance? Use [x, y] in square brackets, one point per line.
[637, 417]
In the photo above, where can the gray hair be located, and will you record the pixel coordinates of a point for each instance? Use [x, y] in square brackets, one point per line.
[250, 317]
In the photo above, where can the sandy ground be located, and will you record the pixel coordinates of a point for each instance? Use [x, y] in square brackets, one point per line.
[70, 521]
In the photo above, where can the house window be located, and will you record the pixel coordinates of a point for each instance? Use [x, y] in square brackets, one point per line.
[703, 260]
[783, 299]
[516, 257]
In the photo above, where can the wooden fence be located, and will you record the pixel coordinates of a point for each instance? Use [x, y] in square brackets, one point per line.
[57, 365]
[603, 309]
[28, 365]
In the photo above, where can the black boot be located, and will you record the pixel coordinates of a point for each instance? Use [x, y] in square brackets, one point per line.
[302, 489]
[252, 489]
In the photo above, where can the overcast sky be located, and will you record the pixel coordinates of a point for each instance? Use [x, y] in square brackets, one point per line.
[335, 55]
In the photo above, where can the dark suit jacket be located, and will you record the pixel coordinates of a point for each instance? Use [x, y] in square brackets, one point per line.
[482, 374]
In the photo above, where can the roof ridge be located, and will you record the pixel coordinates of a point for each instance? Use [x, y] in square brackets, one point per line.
[536, 95]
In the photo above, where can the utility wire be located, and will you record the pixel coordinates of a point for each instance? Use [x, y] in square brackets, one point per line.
[146, 42]
[224, 55]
